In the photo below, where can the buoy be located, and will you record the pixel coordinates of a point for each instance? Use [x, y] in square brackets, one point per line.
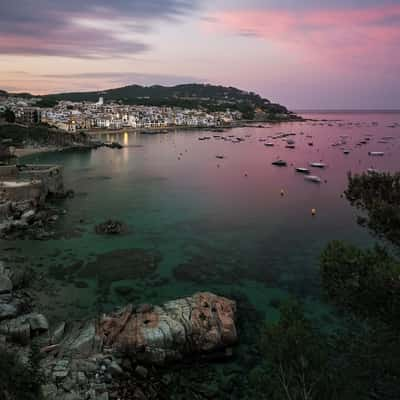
[282, 192]
[313, 211]
[245, 175]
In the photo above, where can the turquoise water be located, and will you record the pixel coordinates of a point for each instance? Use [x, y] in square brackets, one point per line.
[201, 223]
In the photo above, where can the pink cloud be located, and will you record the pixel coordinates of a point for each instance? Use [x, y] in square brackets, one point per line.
[333, 38]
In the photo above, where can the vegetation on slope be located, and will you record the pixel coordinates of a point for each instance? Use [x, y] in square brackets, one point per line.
[360, 358]
[208, 97]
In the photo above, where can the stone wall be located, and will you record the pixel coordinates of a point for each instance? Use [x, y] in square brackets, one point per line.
[30, 182]
[51, 177]
[8, 171]
[17, 191]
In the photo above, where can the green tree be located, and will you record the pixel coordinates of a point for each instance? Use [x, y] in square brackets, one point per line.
[363, 282]
[17, 380]
[378, 196]
[9, 116]
[296, 357]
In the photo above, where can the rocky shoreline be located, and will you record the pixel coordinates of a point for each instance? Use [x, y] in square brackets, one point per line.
[122, 355]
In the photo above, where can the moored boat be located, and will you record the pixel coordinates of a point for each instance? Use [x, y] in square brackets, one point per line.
[279, 163]
[317, 165]
[313, 178]
[303, 170]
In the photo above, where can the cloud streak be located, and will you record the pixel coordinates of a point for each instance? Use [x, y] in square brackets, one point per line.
[91, 29]
[365, 36]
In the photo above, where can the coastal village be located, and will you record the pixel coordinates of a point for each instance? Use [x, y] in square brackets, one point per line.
[73, 117]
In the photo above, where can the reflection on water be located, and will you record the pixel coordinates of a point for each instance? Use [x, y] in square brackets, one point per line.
[197, 222]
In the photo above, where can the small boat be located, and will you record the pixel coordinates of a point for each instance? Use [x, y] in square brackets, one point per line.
[269, 144]
[220, 157]
[303, 170]
[279, 163]
[113, 145]
[317, 165]
[313, 178]
[376, 153]
[372, 171]
[346, 151]
[290, 146]
[310, 143]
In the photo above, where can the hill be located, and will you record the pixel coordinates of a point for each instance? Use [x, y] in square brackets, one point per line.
[208, 97]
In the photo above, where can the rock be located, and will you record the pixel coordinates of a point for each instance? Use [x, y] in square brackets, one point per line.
[85, 366]
[141, 371]
[17, 330]
[68, 384]
[8, 310]
[199, 324]
[82, 340]
[58, 333]
[38, 323]
[115, 369]
[81, 378]
[144, 308]
[49, 392]
[71, 396]
[111, 227]
[28, 216]
[6, 285]
[60, 374]
[139, 395]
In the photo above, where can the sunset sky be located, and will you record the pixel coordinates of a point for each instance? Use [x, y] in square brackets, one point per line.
[343, 54]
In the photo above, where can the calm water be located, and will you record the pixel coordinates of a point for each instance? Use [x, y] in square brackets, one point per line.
[201, 223]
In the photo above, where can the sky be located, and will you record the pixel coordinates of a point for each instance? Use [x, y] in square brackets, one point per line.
[309, 54]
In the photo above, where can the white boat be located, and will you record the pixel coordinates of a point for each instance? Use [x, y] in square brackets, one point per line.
[290, 146]
[372, 171]
[269, 144]
[313, 178]
[317, 165]
[376, 153]
[303, 170]
[346, 151]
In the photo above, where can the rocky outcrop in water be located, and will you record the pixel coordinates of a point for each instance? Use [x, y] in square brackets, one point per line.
[193, 325]
[114, 357]
[26, 220]
[111, 227]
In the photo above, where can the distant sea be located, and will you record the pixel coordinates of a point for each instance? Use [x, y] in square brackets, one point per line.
[236, 225]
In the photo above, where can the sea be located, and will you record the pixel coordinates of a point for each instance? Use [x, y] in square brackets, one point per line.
[207, 212]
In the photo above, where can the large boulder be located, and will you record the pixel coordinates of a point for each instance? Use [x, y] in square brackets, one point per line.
[23, 327]
[5, 284]
[8, 310]
[199, 324]
[111, 227]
